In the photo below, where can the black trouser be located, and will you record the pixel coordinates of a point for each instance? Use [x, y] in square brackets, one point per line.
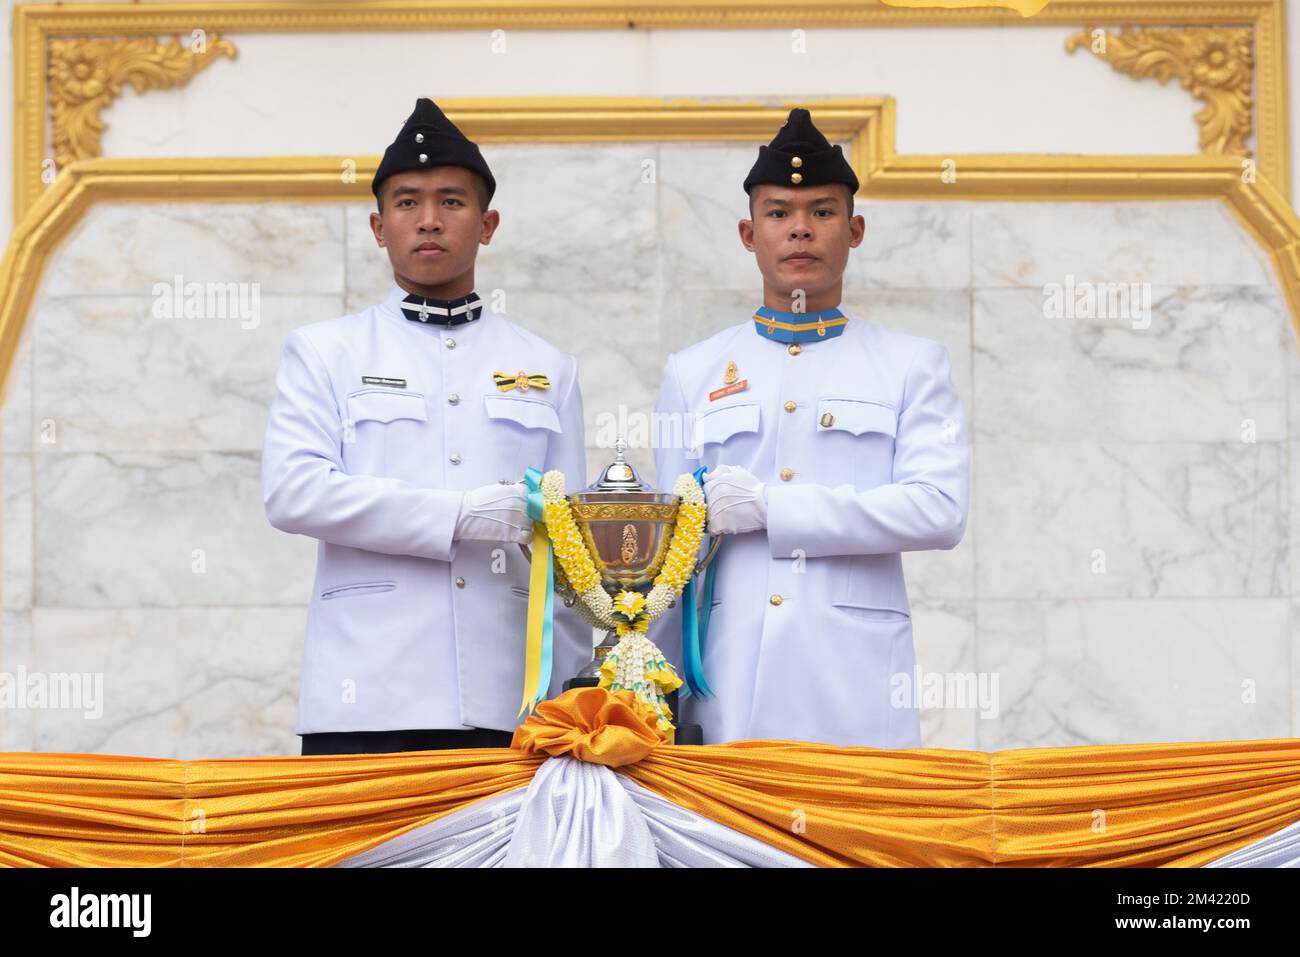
[387, 742]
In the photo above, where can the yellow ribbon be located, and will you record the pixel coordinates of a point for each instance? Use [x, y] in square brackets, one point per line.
[521, 380]
[537, 588]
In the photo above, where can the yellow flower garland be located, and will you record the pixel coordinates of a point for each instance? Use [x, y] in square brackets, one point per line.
[569, 547]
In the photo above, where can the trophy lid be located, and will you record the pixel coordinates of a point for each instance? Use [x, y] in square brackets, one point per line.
[619, 475]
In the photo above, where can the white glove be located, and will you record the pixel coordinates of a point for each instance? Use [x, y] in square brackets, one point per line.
[495, 513]
[736, 500]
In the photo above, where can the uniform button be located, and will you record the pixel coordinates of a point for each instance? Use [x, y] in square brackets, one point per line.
[455, 459]
[460, 583]
[449, 343]
[791, 405]
[795, 348]
[453, 398]
[776, 599]
[787, 474]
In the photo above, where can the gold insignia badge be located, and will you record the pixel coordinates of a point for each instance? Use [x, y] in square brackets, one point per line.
[521, 380]
[731, 375]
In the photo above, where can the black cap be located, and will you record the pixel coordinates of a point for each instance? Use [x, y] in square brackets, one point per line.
[427, 139]
[800, 156]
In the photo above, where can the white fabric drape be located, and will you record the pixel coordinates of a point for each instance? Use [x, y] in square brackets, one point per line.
[574, 814]
[1277, 850]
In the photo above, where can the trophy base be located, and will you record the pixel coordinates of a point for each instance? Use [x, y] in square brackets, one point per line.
[685, 733]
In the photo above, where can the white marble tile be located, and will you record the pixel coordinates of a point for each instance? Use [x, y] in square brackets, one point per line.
[1208, 367]
[15, 653]
[16, 530]
[110, 375]
[1081, 520]
[1292, 464]
[572, 218]
[911, 245]
[146, 529]
[185, 683]
[16, 429]
[943, 634]
[1121, 672]
[1295, 666]
[1290, 349]
[1167, 244]
[701, 203]
[369, 271]
[124, 249]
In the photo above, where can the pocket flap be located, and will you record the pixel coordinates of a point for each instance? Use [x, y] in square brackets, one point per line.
[359, 588]
[530, 413]
[718, 425]
[871, 613]
[381, 405]
[856, 415]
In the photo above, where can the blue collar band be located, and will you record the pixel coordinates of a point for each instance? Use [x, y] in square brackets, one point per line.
[799, 326]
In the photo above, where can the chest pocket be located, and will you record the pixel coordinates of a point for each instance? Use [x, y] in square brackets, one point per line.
[855, 441]
[856, 415]
[383, 432]
[529, 413]
[381, 405]
[716, 426]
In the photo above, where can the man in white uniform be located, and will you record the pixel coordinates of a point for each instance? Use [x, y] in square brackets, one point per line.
[833, 445]
[398, 437]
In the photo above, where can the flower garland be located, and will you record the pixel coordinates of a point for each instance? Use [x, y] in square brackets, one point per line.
[635, 664]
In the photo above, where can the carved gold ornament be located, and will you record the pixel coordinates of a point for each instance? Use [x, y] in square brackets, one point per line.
[86, 76]
[1214, 64]
[629, 544]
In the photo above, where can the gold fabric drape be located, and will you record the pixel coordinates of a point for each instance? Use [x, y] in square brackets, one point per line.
[91, 810]
[1148, 805]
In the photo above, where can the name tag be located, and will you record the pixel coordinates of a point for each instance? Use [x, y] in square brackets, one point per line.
[727, 390]
[383, 380]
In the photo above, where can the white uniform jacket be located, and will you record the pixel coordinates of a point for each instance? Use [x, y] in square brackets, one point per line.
[861, 440]
[406, 627]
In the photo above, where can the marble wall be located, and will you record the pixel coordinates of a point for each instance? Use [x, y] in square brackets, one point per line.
[1127, 572]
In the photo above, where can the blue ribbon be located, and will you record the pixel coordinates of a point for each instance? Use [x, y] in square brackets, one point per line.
[533, 478]
[695, 630]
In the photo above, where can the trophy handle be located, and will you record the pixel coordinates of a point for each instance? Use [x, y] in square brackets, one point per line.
[708, 556]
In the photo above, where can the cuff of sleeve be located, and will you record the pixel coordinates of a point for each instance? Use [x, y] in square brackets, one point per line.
[783, 531]
[444, 512]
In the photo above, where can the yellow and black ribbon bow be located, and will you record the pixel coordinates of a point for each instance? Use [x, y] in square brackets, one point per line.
[521, 380]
